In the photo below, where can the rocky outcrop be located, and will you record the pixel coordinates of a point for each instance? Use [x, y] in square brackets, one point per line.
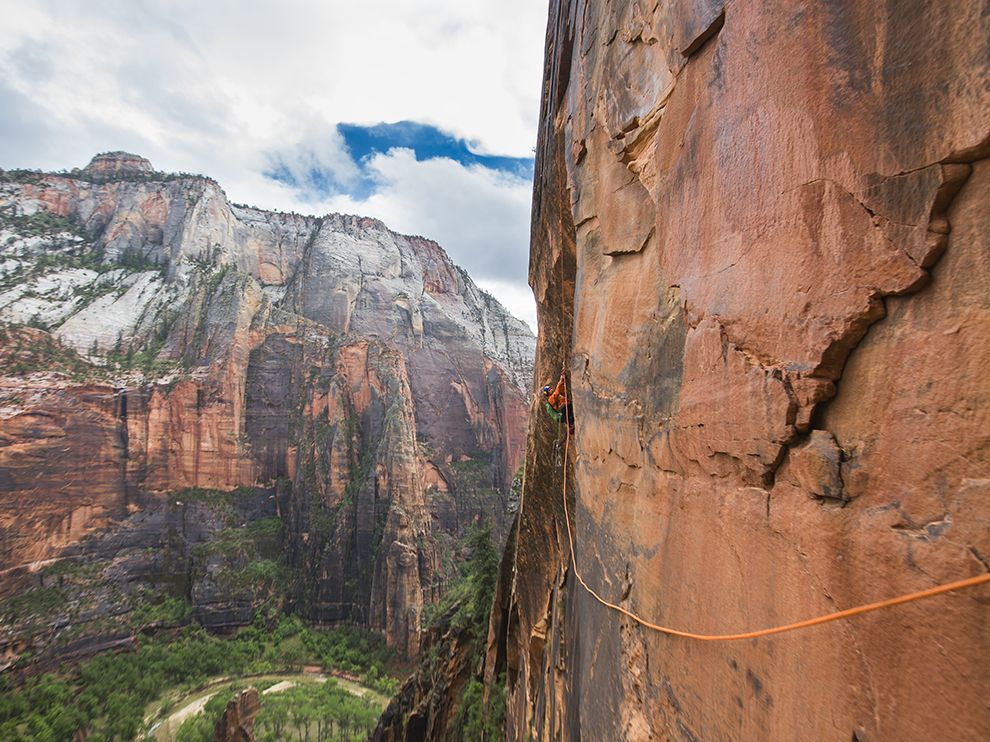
[182, 341]
[427, 704]
[216, 558]
[109, 165]
[237, 722]
[758, 246]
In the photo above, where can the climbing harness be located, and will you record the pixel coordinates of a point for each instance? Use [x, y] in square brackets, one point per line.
[807, 623]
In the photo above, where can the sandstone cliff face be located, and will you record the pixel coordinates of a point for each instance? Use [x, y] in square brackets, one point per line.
[355, 371]
[760, 240]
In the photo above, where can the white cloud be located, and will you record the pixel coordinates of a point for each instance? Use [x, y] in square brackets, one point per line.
[318, 146]
[479, 215]
[216, 87]
[471, 67]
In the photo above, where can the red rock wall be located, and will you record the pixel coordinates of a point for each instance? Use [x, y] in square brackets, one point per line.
[770, 220]
[358, 364]
[61, 472]
[339, 424]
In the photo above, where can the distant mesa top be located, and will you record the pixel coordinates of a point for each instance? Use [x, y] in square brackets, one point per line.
[118, 163]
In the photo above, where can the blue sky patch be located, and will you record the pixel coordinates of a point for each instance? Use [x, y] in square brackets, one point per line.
[316, 181]
[364, 142]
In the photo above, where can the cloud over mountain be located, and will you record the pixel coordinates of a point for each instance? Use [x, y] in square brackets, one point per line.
[305, 106]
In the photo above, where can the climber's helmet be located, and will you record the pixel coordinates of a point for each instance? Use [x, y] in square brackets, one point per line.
[546, 391]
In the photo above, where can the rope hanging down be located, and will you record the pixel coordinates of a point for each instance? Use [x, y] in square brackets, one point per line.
[807, 623]
[848, 613]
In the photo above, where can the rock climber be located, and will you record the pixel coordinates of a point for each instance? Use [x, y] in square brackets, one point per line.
[557, 405]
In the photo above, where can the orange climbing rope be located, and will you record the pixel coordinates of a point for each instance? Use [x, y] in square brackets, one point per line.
[818, 620]
[807, 623]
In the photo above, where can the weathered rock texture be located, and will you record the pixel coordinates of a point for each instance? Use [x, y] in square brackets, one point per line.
[112, 164]
[210, 345]
[760, 242]
[427, 704]
[216, 558]
[440, 700]
[237, 722]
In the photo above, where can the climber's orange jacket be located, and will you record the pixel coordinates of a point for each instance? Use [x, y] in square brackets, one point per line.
[558, 397]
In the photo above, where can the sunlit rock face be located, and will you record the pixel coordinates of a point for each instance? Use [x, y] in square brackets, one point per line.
[759, 246]
[179, 340]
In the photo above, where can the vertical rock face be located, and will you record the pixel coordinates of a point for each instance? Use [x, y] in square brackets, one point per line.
[189, 342]
[237, 722]
[760, 240]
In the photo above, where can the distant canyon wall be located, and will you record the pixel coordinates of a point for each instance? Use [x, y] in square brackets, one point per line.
[760, 242]
[210, 345]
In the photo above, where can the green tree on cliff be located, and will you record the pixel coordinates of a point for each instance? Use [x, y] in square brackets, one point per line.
[482, 574]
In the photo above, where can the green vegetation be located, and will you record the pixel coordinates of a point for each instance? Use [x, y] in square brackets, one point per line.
[65, 246]
[199, 728]
[477, 720]
[145, 360]
[259, 539]
[68, 248]
[208, 278]
[36, 176]
[474, 473]
[467, 603]
[39, 224]
[254, 562]
[74, 595]
[21, 175]
[73, 255]
[136, 261]
[24, 353]
[158, 610]
[245, 561]
[40, 601]
[71, 569]
[107, 695]
[465, 609]
[326, 710]
[308, 711]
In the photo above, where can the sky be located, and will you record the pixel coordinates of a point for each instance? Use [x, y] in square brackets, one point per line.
[422, 113]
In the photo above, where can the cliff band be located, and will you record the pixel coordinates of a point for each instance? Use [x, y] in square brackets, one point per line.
[179, 341]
